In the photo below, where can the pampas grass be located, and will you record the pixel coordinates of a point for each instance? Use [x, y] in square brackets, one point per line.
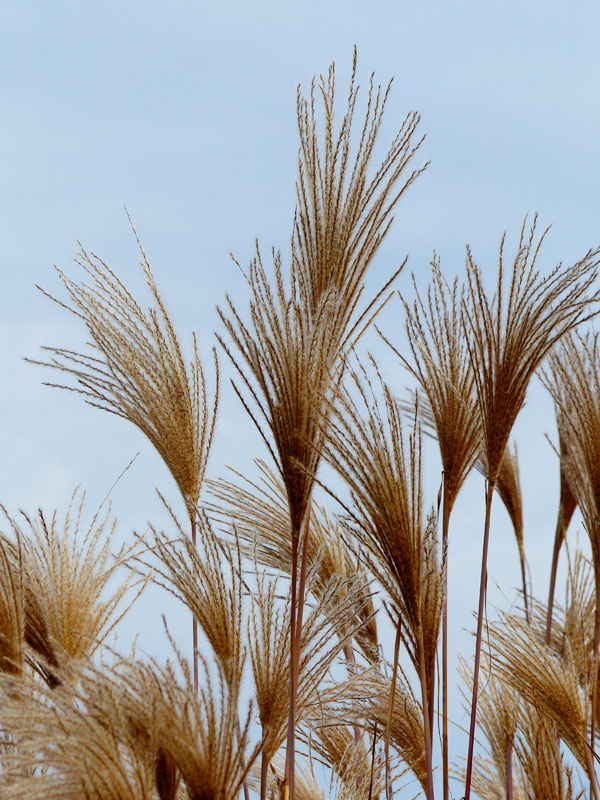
[295, 570]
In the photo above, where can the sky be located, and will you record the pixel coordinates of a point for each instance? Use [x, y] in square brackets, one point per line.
[185, 113]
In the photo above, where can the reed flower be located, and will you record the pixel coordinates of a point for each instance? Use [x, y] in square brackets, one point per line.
[134, 368]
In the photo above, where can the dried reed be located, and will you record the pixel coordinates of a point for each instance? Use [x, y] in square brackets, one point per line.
[509, 335]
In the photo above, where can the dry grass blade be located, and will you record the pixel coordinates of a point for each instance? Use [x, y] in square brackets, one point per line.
[71, 604]
[135, 369]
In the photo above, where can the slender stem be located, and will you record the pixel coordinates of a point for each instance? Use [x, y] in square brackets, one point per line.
[426, 722]
[194, 624]
[509, 772]
[392, 697]
[445, 755]
[595, 680]
[289, 759]
[297, 610]
[482, 586]
[558, 540]
[372, 763]
[589, 758]
[264, 766]
[524, 582]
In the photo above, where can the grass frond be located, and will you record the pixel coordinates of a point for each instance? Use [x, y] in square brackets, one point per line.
[134, 368]
[510, 333]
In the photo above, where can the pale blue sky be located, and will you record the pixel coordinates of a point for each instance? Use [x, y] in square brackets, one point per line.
[185, 112]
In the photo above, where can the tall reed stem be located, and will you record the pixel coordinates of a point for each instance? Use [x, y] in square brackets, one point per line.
[297, 613]
[589, 757]
[509, 773]
[290, 755]
[558, 540]
[388, 788]
[194, 624]
[445, 755]
[595, 680]
[482, 586]
[264, 766]
[426, 719]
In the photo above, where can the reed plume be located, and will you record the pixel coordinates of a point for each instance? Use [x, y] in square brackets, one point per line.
[573, 380]
[65, 570]
[548, 683]
[269, 646]
[290, 355]
[134, 368]
[509, 335]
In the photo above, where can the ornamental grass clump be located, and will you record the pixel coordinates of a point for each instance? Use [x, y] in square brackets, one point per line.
[297, 571]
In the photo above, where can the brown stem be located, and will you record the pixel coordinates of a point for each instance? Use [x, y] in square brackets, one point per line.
[524, 581]
[446, 509]
[589, 758]
[595, 680]
[194, 625]
[264, 766]
[289, 758]
[482, 586]
[559, 537]
[297, 611]
[509, 773]
[372, 763]
[392, 697]
[426, 723]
